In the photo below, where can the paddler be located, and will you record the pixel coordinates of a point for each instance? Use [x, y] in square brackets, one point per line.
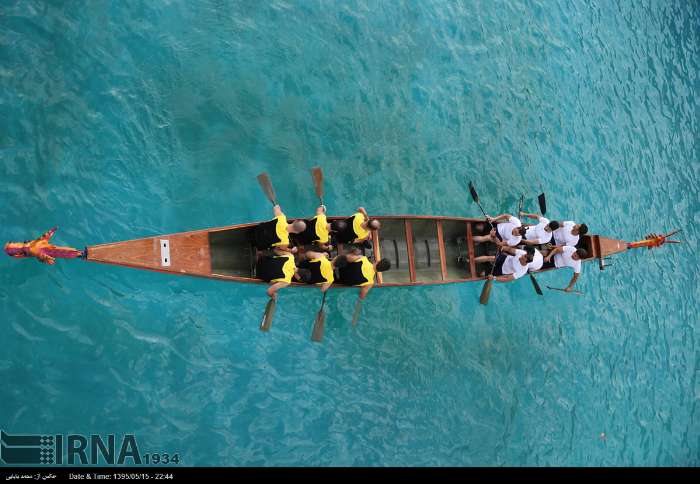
[511, 263]
[322, 268]
[567, 256]
[275, 233]
[541, 233]
[318, 230]
[41, 249]
[568, 233]
[507, 233]
[279, 268]
[360, 272]
[358, 229]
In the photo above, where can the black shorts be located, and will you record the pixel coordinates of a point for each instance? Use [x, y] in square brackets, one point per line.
[498, 264]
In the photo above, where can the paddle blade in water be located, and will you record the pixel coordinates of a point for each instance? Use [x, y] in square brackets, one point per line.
[269, 314]
[472, 190]
[356, 314]
[317, 175]
[266, 185]
[543, 203]
[486, 292]
[536, 284]
[317, 334]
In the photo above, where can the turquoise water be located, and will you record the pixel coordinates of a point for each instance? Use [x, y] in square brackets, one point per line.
[128, 119]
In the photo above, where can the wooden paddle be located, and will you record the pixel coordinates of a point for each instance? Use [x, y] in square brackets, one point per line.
[486, 290]
[317, 175]
[269, 314]
[317, 333]
[578, 293]
[543, 203]
[358, 310]
[536, 284]
[266, 185]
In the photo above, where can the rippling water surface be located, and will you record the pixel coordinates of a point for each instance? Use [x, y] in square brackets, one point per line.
[128, 119]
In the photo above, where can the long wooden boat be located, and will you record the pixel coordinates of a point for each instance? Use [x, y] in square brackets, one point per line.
[423, 250]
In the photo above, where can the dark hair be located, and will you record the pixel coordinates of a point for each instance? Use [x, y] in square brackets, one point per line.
[530, 253]
[338, 225]
[383, 265]
[522, 230]
[582, 253]
[373, 224]
[583, 229]
[554, 225]
[304, 275]
[340, 262]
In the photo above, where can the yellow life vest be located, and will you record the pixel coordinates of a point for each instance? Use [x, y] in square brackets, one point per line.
[326, 269]
[357, 220]
[322, 229]
[289, 268]
[281, 231]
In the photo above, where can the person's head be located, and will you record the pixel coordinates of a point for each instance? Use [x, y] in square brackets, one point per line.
[303, 275]
[296, 227]
[527, 257]
[16, 249]
[383, 265]
[582, 229]
[552, 226]
[521, 231]
[338, 225]
[340, 262]
[580, 254]
[374, 224]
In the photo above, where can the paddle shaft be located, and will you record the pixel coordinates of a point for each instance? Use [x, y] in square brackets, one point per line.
[578, 293]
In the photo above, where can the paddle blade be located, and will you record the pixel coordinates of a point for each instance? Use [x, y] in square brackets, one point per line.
[486, 292]
[472, 190]
[543, 203]
[536, 284]
[269, 314]
[266, 185]
[356, 314]
[317, 334]
[317, 175]
[520, 204]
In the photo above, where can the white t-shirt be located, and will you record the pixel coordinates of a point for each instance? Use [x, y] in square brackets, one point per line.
[513, 266]
[563, 235]
[537, 232]
[565, 260]
[537, 261]
[505, 230]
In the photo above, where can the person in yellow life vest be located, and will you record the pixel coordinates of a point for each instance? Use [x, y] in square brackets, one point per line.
[358, 230]
[278, 268]
[360, 272]
[42, 249]
[275, 233]
[322, 268]
[318, 230]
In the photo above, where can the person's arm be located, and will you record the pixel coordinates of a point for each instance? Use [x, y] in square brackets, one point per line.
[508, 250]
[272, 290]
[326, 286]
[321, 210]
[500, 218]
[277, 210]
[557, 250]
[572, 282]
[504, 278]
[364, 213]
[522, 214]
[364, 290]
[530, 242]
[352, 257]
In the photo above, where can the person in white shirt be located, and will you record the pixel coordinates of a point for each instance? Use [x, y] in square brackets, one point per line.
[541, 233]
[568, 233]
[508, 233]
[537, 262]
[510, 264]
[567, 256]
